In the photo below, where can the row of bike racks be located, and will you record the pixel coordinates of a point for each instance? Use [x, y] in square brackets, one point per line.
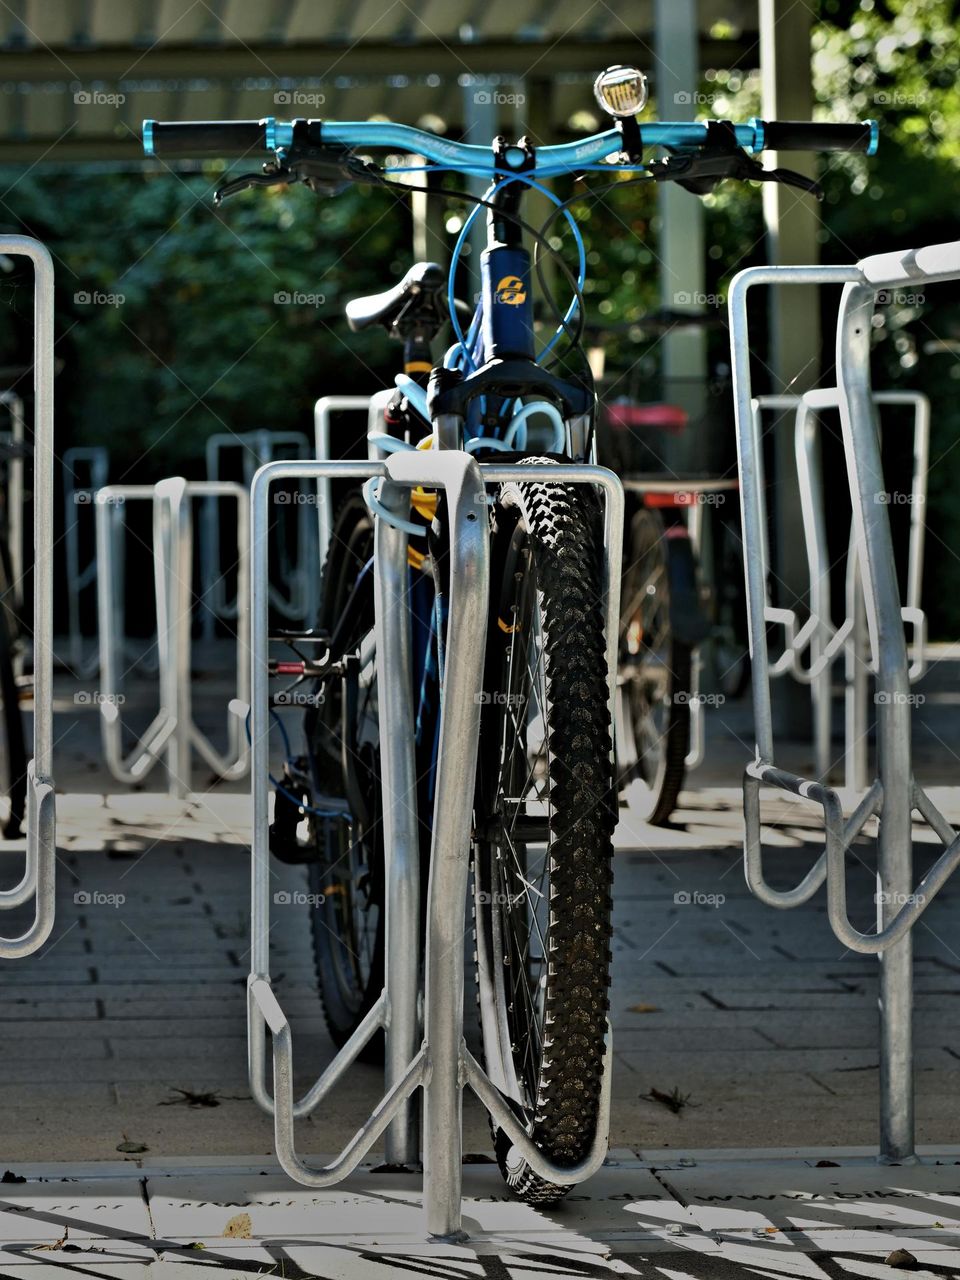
[826, 644]
[438, 1061]
[172, 735]
[893, 793]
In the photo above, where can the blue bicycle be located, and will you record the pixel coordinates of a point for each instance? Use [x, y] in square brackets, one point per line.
[544, 800]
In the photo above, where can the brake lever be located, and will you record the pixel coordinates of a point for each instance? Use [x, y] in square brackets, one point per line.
[702, 171]
[271, 177]
[325, 171]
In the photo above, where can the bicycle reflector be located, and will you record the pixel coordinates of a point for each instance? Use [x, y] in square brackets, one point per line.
[621, 91]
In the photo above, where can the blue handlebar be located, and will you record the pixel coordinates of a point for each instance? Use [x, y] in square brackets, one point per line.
[248, 136]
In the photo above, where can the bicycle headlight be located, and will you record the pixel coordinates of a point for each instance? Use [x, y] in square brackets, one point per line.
[621, 91]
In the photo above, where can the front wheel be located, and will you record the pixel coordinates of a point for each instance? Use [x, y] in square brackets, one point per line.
[546, 810]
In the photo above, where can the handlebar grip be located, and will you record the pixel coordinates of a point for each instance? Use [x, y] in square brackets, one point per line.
[812, 135]
[204, 137]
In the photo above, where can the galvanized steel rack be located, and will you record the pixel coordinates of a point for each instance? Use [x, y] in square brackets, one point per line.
[38, 880]
[439, 1063]
[893, 794]
[814, 648]
[172, 735]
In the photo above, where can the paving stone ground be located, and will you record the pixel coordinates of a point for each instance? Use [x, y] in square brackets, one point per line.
[129, 1026]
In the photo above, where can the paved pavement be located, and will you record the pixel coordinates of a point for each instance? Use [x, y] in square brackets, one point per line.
[735, 1026]
[815, 1214]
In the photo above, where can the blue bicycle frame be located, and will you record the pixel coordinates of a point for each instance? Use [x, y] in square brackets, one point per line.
[494, 362]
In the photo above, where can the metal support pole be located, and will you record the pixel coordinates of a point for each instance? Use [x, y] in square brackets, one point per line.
[79, 577]
[681, 251]
[895, 848]
[15, 494]
[173, 558]
[469, 576]
[398, 772]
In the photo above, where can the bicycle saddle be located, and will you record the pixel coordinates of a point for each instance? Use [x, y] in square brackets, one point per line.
[416, 302]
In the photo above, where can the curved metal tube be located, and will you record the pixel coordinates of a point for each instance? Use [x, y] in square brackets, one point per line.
[39, 871]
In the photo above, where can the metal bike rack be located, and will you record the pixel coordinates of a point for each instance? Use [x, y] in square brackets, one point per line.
[259, 447]
[15, 486]
[323, 412]
[172, 734]
[828, 644]
[894, 793]
[441, 1065]
[96, 459]
[39, 877]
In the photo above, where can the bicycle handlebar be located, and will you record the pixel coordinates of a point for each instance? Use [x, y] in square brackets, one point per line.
[239, 137]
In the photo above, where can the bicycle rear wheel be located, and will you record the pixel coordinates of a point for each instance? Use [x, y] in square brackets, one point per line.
[655, 676]
[346, 878]
[544, 825]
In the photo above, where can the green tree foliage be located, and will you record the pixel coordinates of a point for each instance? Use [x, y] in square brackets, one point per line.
[230, 319]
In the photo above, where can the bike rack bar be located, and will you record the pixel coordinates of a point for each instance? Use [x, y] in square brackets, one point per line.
[172, 734]
[826, 642]
[323, 412]
[39, 878]
[441, 1066]
[78, 577]
[893, 794]
[15, 493]
[258, 447]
